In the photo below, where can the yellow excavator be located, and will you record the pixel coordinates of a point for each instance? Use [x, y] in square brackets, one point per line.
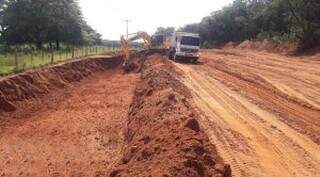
[148, 43]
[125, 45]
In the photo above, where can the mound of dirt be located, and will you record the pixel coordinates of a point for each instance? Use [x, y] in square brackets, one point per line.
[163, 135]
[269, 46]
[247, 44]
[34, 84]
[230, 45]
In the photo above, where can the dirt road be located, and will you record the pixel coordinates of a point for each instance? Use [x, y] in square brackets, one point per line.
[75, 132]
[261, 110]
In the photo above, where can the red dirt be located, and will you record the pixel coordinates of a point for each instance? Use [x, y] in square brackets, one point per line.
[267, 45]
[230, 45]
[34, 84]
[163, 134]
[5, 104]
[247, 44]
[59, 121]
[74, 131]
[242, 74]
[260, 109]
[78, 134]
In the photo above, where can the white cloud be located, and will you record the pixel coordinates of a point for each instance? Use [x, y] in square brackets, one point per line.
[106, 16]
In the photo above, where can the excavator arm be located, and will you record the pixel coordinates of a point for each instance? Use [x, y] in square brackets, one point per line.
[125, 45]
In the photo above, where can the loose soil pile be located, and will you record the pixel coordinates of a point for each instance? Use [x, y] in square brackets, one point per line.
[34, 84]
[163, 135]
[230, 45]
[267, 45]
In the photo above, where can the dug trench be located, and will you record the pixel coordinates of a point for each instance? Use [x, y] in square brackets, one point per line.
[87, 118]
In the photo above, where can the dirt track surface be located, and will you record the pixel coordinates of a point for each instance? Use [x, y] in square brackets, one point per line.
[261, 110]
[163, 136]
[76, 132]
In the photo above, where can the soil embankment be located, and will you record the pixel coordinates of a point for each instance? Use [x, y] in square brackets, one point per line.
[69, 129]
[267, 45]
[34, 84]
[163, 135]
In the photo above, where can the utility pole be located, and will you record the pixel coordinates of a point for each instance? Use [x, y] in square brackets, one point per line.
[127, 21]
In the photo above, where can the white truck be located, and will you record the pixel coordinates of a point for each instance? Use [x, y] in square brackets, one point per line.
[184, 46]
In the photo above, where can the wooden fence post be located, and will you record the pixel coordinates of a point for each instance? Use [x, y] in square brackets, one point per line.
[72, 52]
[82, 52]
[42, 56]
[52, 56]
[16, 59]
[31, 58]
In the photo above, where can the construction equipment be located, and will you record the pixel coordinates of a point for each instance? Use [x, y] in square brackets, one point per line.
[158, 41]
[125, 44]
[184, 46]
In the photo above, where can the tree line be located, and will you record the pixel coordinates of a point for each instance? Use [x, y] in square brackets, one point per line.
[44, 23]
[280, 20]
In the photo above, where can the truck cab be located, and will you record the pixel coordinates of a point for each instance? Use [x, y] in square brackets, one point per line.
[184, 46]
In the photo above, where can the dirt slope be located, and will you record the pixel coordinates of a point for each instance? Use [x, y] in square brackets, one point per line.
[36, 83]
[261, 109]
[163, 134]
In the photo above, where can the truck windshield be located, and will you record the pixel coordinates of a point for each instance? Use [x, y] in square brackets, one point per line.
[193, 41]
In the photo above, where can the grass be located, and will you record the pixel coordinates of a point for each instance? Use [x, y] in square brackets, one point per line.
[36, 59]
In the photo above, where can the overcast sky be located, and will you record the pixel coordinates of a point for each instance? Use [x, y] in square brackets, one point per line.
[106, 16]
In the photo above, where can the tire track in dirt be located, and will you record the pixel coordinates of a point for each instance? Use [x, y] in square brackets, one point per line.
[273, 148]
[295, 100]
[287, 73]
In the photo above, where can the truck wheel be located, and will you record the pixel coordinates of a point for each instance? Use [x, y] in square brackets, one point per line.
[171, 55]
[176, 58]
[193, 60]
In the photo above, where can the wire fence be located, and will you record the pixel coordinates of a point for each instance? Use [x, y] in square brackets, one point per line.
[18, 61]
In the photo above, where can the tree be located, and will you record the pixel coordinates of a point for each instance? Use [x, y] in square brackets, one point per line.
[3, 5]
[26, 22]
[165, 31]
[305, 15]
[44, 21]
[192, 28]
[66, 22]
[251, 19]
[90, 36]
